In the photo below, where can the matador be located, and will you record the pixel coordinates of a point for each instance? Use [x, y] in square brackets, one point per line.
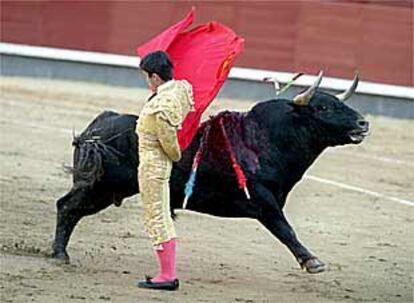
[157, 127]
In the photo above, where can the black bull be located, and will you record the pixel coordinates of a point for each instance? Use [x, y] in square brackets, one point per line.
[275, 143]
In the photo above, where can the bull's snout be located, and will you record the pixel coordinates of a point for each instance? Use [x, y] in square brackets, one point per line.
[361, 130]
[363, 124]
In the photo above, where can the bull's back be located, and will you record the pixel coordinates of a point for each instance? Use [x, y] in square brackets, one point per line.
[216, 190]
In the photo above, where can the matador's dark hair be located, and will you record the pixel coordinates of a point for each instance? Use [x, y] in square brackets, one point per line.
[158, 62]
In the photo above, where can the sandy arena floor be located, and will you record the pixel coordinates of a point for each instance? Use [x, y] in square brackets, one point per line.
[365, 238]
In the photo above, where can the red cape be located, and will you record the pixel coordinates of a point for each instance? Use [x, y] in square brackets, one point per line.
[203, 56]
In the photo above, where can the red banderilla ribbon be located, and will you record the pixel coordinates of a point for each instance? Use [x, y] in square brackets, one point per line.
[241, 178]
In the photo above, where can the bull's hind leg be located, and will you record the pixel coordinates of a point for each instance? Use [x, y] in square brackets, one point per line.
[274, 220]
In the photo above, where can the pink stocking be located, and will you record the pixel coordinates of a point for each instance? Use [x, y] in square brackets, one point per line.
[166, 260]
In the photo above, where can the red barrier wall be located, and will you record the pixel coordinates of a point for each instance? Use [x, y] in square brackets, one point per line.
[374, 37]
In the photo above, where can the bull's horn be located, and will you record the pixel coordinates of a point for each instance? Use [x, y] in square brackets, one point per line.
[304, 98]
[350, 91]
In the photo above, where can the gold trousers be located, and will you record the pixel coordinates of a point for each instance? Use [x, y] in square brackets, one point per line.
[154, 172]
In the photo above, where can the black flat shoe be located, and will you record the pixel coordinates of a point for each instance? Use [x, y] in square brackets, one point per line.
[169, 285]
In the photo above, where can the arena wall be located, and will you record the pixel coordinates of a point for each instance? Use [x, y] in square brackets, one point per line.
[374, 37]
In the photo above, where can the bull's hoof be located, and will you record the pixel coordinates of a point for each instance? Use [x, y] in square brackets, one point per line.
[313, 265]
[60, 257]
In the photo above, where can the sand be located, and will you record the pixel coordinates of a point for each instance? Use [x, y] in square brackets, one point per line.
[366, 240]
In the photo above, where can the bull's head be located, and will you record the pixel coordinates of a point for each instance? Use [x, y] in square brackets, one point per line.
[336, 122]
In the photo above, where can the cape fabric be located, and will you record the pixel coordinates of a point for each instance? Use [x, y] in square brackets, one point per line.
[203, 56]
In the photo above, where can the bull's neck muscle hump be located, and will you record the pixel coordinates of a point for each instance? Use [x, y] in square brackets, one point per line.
[294, 144]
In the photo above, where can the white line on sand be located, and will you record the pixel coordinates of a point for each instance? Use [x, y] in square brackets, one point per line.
[358, 189]
[370, 157]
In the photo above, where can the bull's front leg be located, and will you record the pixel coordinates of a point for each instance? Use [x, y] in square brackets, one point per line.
[81, 201]
[274, 220]
[66, 219]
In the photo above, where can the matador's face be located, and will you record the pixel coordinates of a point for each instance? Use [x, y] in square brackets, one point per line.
[153, 80]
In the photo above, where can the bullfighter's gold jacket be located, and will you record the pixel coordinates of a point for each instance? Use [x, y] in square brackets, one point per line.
[157, 127]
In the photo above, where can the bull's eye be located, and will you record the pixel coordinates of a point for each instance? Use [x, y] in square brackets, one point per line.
[321, 108]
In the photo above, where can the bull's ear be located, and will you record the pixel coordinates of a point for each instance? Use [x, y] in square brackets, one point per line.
[292, 104]
[295, 108]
